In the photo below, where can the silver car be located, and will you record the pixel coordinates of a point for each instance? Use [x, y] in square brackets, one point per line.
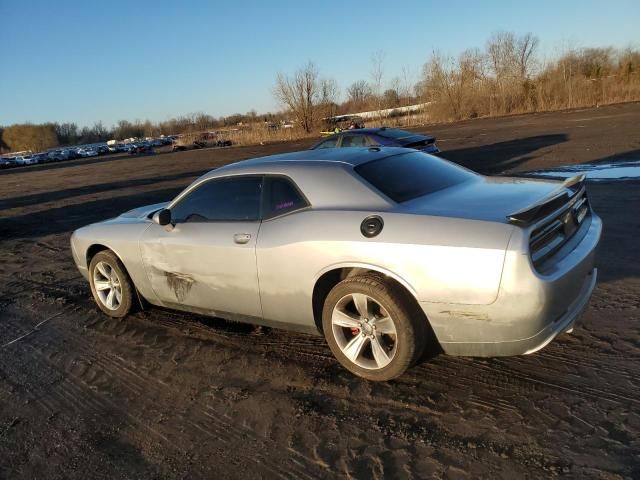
[382, 250]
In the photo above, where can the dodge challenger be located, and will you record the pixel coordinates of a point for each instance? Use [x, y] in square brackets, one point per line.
[380, 249]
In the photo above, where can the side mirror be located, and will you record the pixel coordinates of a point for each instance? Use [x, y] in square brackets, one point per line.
[162, 217]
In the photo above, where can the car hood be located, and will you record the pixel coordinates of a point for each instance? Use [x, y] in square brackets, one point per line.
[484, 198]
[137, 214]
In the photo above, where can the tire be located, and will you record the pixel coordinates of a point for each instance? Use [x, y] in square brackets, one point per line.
[107, 274]
[382, 344]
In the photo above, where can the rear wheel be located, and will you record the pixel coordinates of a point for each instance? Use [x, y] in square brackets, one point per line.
[371, 328]
[111, 286]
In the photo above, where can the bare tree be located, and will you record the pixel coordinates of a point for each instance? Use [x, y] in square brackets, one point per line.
[407, 86]
[359, 93]
[526, 47]
[452, 81]
[377, 76]
[512, 61]
[501, 49]
[299, 94]
[329, 94]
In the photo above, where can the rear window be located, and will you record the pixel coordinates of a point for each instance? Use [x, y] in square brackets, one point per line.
[412, 175]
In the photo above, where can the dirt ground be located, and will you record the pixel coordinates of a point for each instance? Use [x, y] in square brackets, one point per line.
[172, 395]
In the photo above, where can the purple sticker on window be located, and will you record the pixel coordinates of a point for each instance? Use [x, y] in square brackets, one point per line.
[282, 205]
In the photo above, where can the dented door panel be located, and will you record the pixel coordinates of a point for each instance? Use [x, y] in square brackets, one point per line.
[201, 265]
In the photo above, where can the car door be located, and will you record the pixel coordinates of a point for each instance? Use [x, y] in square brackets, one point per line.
[206, 260]
[281, 268]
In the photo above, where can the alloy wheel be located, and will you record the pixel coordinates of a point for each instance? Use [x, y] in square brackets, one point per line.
[364, 331]
[108, 285]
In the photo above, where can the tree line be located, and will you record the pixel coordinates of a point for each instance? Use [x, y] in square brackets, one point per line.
[507, 75]
[39, 137]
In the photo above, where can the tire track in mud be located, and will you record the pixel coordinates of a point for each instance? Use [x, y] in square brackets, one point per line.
[431, 432]
[503, 373]
[580, 390]
[443, 371]
[312, 347]
[577, 361]
[221, 428]
[499, 374]
[315, 348]
[16, 288]
[67, 393]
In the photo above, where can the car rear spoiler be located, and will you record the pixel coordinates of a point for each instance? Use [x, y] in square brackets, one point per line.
[547, 205]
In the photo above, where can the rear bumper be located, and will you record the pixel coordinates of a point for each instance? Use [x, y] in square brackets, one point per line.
[531, 308]
[564, 323]
[535, 342]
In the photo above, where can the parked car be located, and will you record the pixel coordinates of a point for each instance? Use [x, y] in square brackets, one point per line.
[71, 153]
[25, 160]
[43, 157]
[388, 137]
[64, 154]
[140, 149]
[375, 247]
[182, 145]
[102, 149]
[87, 152]
[340, 123]
[7, 162]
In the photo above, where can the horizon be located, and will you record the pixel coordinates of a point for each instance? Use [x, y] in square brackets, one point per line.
[84, 64]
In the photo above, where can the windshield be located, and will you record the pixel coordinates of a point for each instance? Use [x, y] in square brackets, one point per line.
[412, 175]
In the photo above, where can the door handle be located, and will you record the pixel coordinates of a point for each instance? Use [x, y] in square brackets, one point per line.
[242, 238]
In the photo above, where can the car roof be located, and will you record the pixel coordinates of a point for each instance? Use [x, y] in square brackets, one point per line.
[348, 156]
[325, 176]
[366, 130]
[372, 130]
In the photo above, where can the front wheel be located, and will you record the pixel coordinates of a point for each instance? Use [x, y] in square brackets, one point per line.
[371, 328]
[111, 287]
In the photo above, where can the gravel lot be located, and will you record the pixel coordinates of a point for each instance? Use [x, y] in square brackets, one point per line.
[172, 395]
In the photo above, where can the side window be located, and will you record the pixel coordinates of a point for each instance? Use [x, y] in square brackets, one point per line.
[329, 143]
[227, 199]
[354, 141]
[282, 197]
[380, 140]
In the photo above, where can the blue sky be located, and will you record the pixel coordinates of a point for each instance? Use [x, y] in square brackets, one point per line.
[84, 61]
